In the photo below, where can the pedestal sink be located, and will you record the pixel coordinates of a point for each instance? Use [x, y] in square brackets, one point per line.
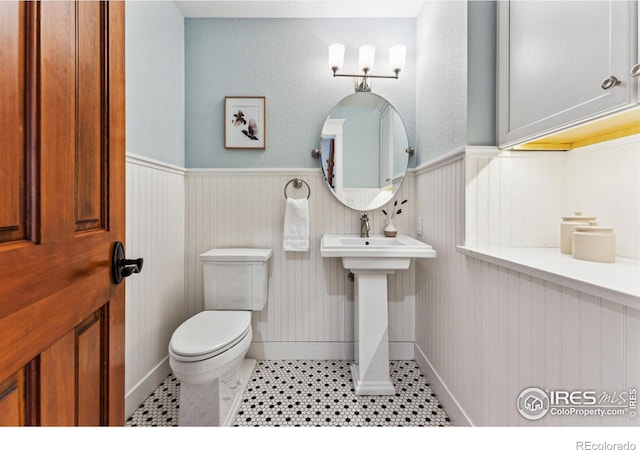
[371, 260]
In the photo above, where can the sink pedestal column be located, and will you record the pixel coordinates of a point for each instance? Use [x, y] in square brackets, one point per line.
[371, 371]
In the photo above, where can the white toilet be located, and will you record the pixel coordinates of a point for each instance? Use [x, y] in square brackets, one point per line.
[206, 353]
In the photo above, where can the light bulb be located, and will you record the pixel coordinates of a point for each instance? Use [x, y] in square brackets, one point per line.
[336, 56]
[366, 58]
[397, 57]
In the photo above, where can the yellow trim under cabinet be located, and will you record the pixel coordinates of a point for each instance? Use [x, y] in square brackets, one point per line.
[539, 145]
[615, 126]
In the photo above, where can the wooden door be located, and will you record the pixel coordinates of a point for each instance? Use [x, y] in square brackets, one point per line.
[61, 210]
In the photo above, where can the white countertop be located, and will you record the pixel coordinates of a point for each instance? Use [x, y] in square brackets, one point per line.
[618, 281]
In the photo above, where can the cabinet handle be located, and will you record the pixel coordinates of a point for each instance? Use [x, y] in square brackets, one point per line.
[610, 83]
[635, 71]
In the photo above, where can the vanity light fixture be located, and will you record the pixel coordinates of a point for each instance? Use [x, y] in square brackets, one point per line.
[397, 57]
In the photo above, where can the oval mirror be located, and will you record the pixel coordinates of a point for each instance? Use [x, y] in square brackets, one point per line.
[364, 151]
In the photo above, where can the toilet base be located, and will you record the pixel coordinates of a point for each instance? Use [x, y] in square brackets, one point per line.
[216, 402]
[244, 375]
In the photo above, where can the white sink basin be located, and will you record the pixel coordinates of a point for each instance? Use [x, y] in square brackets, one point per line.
[375, 252]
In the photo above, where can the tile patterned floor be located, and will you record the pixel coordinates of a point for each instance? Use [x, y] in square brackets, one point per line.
[160, 409]
[312, 393]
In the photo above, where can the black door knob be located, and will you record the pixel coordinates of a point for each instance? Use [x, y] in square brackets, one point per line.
[122, 267]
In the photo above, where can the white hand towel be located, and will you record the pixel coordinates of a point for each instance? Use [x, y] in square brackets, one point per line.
[296, 225]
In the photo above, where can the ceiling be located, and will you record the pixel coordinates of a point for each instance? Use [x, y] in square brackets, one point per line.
[300, 8]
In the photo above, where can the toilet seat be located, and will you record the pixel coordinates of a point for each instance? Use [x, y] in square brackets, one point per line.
[209, 334]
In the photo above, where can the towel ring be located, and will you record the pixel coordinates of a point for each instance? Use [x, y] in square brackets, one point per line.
[297, 183]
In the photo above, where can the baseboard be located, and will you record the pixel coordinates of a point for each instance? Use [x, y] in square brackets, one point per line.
[454, 410]
[136, 396]
[321, 350]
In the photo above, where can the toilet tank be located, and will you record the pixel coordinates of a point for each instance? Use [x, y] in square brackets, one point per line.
[236, 278]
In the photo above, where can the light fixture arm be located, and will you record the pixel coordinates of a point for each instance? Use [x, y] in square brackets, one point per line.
[365, 75]
[363, 86]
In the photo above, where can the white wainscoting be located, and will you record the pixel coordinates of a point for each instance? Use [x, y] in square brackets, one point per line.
[155, 196]
[310, 309]
[484, 332]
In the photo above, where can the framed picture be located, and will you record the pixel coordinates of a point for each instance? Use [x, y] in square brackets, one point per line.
[245, 123]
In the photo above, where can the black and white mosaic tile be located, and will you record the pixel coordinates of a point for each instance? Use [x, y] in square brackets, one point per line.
[320, 393]
[160, 409]
[312, 393]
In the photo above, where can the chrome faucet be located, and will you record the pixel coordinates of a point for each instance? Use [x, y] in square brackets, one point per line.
[364, 225]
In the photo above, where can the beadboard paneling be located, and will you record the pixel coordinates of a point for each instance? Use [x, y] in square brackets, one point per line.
[517, 198]
[154, 297]
[484, 332]
[602, 180]
[310, 297]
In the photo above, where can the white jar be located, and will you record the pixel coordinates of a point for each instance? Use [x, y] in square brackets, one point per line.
[596, 244]
[567, 226]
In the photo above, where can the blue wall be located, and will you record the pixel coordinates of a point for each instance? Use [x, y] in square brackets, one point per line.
[442, 79]
[456, 77]
[155, 80]
[179, 71]
[284, 60]
[481, 73]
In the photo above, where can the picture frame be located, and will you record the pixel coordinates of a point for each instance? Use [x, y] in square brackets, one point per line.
[245, 123]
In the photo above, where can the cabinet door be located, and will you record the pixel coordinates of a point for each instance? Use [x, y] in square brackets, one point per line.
[553, 60]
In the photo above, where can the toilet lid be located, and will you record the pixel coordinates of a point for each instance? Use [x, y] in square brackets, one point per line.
[236, 255]
[210, 333]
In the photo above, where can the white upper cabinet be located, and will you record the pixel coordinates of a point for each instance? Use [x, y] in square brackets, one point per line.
[562, 63]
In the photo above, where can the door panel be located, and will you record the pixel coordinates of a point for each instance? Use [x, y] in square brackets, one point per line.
[90, 157]
[89, 369]
[57, 120]
[11, 400]
[71, 369]
[57, 383]
[12, 122]
[61, 317]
